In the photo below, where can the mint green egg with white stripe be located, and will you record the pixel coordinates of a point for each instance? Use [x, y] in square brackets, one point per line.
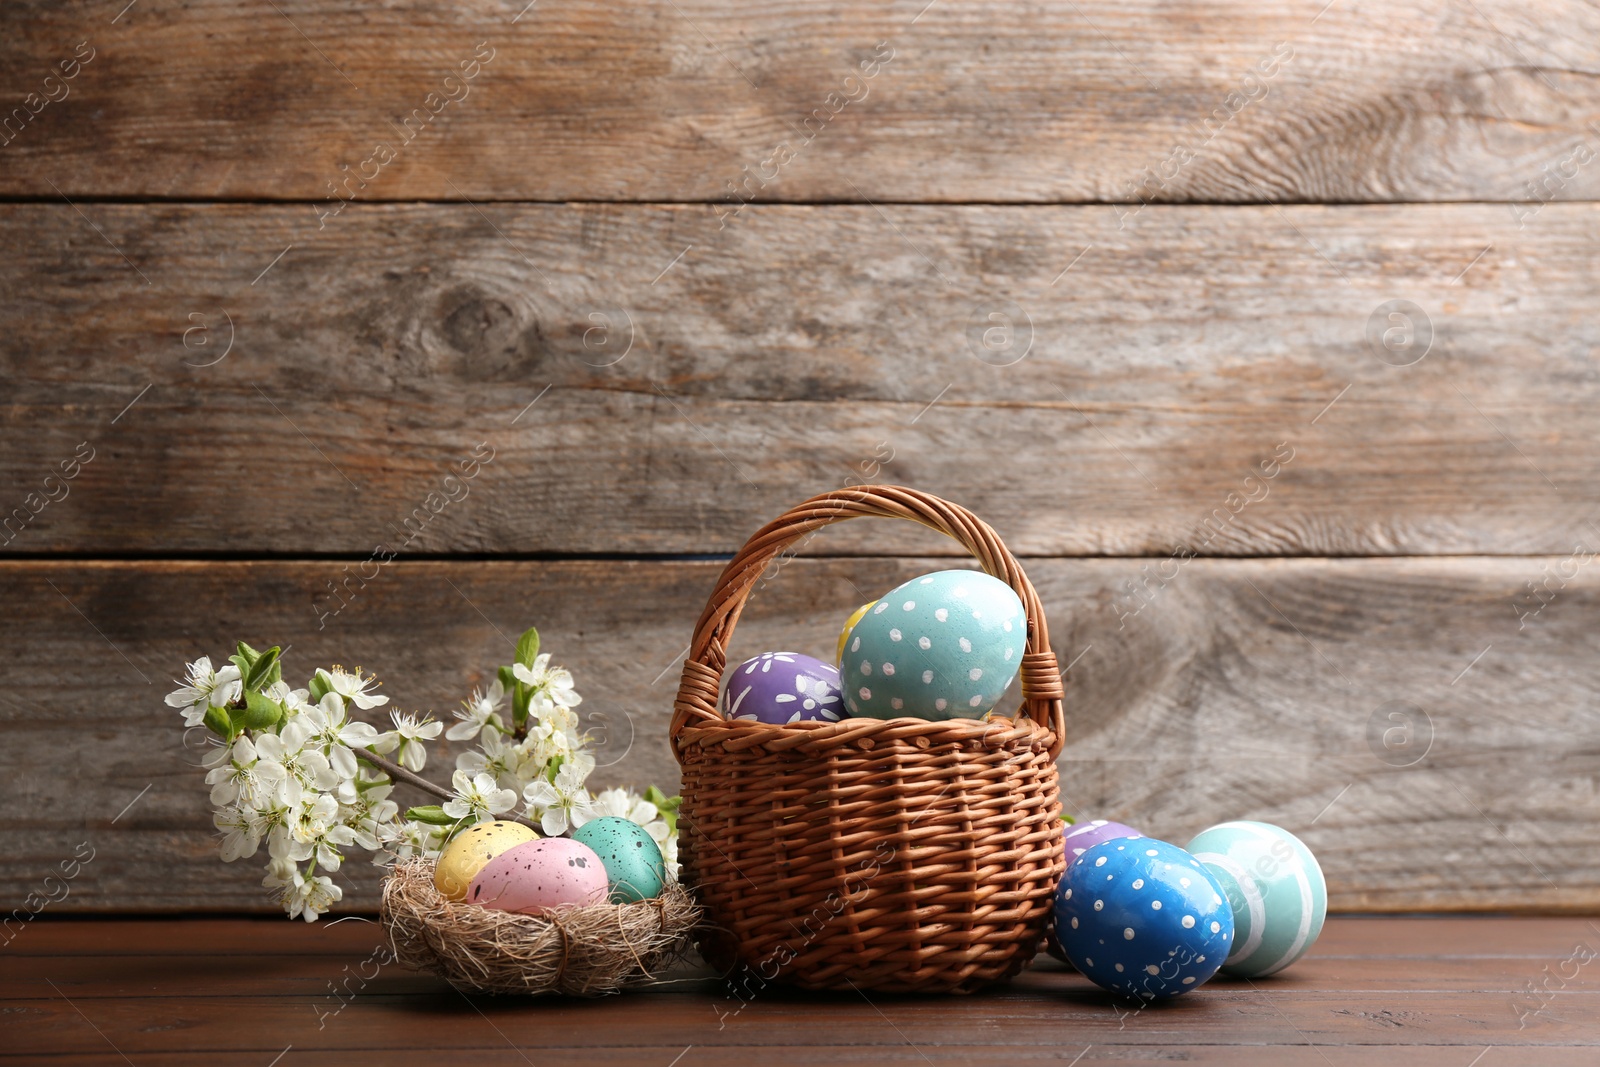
[1275, 887]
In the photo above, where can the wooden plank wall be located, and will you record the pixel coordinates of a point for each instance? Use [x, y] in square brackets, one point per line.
[671, 267]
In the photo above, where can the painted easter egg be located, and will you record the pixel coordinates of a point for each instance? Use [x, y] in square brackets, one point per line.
[1081, 837]
[850, 624]
[1143, 918]
[1275, 887]
[536, 876]
[631, 857]
[942, 646]
[469, 851]
[1076, 839]
[782, 687]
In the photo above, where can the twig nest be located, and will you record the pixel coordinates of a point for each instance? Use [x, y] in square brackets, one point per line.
[577, 951]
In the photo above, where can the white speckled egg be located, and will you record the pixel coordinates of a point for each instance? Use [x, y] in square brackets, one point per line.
[942, 646]
[536, 876]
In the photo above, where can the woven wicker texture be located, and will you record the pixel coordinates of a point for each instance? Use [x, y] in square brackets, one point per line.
[585, 951]
[895, 855]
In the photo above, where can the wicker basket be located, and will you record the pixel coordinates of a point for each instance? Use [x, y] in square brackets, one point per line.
[896, 855]
[578, 951]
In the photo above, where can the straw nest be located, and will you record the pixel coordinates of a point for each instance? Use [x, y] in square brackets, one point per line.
[578, 951]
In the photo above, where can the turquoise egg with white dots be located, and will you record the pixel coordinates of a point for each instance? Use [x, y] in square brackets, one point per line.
[1275, 887]
[941, 646]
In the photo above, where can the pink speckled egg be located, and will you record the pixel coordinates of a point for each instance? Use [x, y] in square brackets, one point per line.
[536, 876]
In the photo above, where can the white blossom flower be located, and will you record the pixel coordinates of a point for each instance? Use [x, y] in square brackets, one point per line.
[310, 896]
[408, 735]
[353, 687]
[417, 839]
[544, 742]
[243, 775]
[479, 711]
[205, 688]
[294, 701]
[365, 807]
[624, 805]
[302, 768]
[331, 731]
[497, 758]
[478, 798]
[239, 840]
[552, 686]
[564, 802]
[669, 856]
[280, 872]
[271, 818]
[317, 833]
[563, 723]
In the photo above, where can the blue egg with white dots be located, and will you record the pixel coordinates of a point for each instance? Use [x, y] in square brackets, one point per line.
[941, 646]
[1143, 918]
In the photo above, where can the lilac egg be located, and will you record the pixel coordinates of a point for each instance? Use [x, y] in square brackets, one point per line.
[1081, 837]
[783, 687]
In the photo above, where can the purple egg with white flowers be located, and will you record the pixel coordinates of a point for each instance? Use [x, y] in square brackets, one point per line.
[783, 687]
[1081, 837]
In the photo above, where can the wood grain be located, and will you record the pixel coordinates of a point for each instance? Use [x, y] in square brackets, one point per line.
[1443, 980]
[1065, 1013]
[1092, 100]
[1351, 937]
[282, 972]
[1417, 992]
[804, 348]
[1269, 1055]
[1243, 688]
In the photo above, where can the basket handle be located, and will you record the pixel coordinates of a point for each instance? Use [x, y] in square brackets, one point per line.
[702, 671]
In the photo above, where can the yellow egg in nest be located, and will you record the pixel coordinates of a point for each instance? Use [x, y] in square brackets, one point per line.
[471, 850]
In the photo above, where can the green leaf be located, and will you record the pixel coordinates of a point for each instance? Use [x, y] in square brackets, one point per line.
[508, 681]
[662, 802]
[667, 806]
[553, 766]
[244, 659]
[321, 685]
[260, 673]
[1069, 820]
[528, 647]
[432, 814]
[220, 723]
[261, 712]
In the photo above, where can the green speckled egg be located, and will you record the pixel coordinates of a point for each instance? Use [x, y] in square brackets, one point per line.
[942, 646]
[631, 857]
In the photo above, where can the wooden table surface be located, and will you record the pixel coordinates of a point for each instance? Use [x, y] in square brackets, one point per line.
[1452, 992]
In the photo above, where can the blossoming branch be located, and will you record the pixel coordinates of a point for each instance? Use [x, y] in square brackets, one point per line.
[299, 770]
